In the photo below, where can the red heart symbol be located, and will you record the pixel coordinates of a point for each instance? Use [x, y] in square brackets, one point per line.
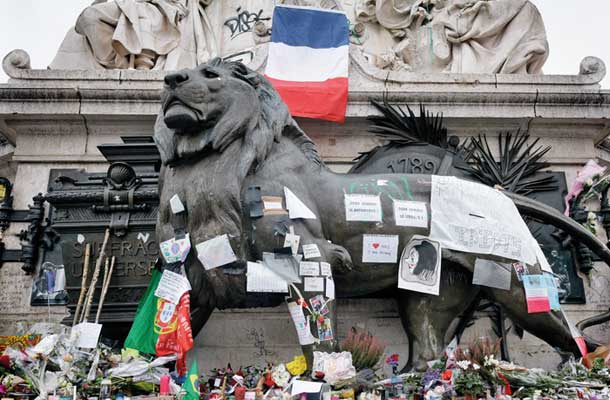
[375, 245]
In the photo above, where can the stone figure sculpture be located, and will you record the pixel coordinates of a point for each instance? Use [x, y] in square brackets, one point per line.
[223, 133]
[141, 34]
[461, 36]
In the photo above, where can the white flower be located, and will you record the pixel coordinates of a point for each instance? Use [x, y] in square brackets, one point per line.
[464, 364]
[475, 366]
[490, 361]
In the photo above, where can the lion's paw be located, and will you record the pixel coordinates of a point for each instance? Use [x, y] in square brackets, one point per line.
[339, 259]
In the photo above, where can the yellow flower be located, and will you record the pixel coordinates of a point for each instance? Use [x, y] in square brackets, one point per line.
[297, 366]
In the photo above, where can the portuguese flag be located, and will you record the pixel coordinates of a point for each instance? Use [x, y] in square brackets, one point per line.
[161, 327]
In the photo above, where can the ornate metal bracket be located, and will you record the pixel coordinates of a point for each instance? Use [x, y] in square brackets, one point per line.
[32, 237]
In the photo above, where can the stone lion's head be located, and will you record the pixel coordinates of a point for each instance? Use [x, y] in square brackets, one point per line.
[211, 106]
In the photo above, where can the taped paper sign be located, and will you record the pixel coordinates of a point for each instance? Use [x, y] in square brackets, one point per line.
[492, 274]
[314, 284]
[284, 265]
[363, 207]
[175, 250]
[330, 287]
[172, 286]
[261, 279]
[176, 204]
[410, 213]
[474, 218]
[299, 387]
[273, 205]
[86, 334]
[309, 268]
[292, 241]
[536, 294]
[301, 324]
[296, 208]
[551, 286]
[215, 252]
[311, 251]
[420, 266]
[380, 249]
[325, 269]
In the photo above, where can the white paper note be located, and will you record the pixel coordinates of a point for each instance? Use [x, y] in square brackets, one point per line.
[380, 249]
[263, 280]
[272, 204]
[86, 334]
[492, 274]
[296, 208]
[420, 266]
[330, 287]
[250, 395]
[309, 268]
[301, 324]
[176, 204]
[60, 280]
[311, 251]
[215, 252]
[314, 284]
[292, 241]
[362, 207]
[325, 269]
[175, 250]
[474, 218]
[172, 286]
[410, 213]
[299, 387]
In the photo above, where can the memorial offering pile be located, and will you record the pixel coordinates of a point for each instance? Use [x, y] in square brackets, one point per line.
[54, 367]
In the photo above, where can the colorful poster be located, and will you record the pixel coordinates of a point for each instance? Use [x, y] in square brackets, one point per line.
[536, 293]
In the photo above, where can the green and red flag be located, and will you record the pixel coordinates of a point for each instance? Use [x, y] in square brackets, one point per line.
[191, 384]
[161, 327]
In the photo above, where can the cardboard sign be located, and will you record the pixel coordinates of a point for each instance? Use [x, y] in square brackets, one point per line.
[172, 286]
[215, 252]
[175, 250]
[380, 249]
[314, 284]
[420, 266]
[410, 213]
[309, 268]
[492, 274]
[261, 279]
[363, 207]
[536, 294]
[311, 251]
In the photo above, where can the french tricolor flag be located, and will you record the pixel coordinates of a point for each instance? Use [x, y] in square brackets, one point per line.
[308, 61]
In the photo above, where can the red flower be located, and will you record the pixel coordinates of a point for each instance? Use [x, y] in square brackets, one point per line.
[269, 382]
[302, 302]
[446, 375]
[392, 360]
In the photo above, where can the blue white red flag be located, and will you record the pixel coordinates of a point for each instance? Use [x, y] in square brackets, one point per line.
[308, 61]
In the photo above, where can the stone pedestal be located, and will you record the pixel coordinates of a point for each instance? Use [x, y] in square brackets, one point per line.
[56, 119]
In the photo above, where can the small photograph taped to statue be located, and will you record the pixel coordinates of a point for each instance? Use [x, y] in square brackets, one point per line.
[420, 266]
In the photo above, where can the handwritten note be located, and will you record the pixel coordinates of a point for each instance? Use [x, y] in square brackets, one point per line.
[330, 287]
[362, 207]
[314, 284]
[86, 334]
[379, 249]
[410, 213]
[301, 324]
[262, 279]
[309, 268]
[172, 286]
[311, 251]
[215, 252]
[325, 269]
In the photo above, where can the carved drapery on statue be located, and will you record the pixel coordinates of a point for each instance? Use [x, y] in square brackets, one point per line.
[150, 34]
[485, 36]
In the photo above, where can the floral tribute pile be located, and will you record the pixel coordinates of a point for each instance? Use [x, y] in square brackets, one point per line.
[53, 368]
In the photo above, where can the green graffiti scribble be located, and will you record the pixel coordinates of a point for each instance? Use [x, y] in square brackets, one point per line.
[407, 188]
[394, 186]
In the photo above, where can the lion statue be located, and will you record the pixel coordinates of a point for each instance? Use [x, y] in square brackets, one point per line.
[224, 136]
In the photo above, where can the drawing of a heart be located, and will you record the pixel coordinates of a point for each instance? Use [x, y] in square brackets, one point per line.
[375, 245]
